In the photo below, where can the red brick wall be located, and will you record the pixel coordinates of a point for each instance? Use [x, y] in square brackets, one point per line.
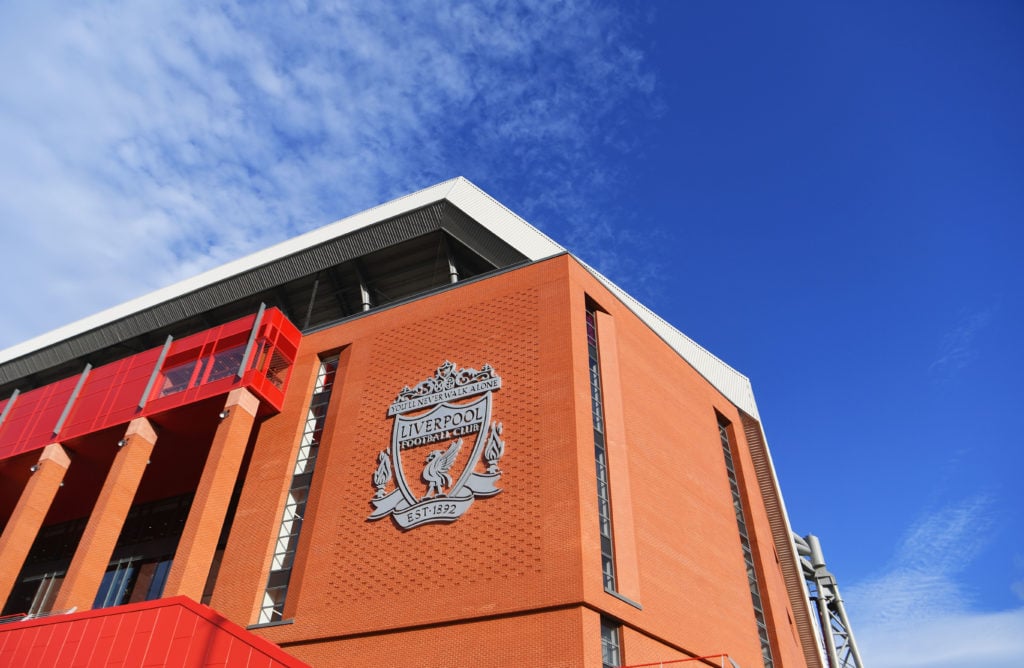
[365, 591]
[546, 639]
[514, 551]
[247, 556]
[693, 584]
[198, 542]
[94, 549]
[24, 522]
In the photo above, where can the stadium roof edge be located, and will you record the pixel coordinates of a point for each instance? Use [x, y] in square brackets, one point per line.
[478, 205]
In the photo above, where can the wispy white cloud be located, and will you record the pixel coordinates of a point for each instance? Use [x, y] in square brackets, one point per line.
[986, 640]
[141, 143]
[919, 614]
[958, 347]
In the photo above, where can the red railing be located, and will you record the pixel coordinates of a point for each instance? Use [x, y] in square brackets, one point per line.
[191, 369]
[721, 660]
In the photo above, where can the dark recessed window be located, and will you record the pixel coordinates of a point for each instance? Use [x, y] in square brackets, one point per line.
[604, 502]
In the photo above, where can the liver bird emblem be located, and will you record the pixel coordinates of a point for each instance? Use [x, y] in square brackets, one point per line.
[435, 472]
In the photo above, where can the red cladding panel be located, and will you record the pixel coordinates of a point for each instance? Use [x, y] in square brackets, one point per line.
[160, 637]
[110, 392]
[34, 416]
[50, 655]
[197, 367]
[175, 632]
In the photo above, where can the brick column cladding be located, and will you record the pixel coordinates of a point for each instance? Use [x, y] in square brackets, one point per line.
[28, 516]
[198, 543]
[92, 556]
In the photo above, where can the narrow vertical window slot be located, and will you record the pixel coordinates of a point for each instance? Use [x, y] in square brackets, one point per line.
[272, 607]
[604, 507]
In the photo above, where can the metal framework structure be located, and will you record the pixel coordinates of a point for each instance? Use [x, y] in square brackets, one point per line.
[833, 625]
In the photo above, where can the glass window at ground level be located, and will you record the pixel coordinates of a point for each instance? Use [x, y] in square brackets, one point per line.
[611, 651]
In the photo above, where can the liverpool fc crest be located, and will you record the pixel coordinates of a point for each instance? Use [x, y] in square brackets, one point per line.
[441, 436]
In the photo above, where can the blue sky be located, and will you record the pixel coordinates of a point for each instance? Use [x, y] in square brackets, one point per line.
[828, 196]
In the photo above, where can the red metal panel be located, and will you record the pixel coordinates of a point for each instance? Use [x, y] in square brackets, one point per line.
[197, 367]
[185, 633]
[259, 660]
[125, 403]
[217, 650]
[91, 398]
[50, 656]
[139, 642]
[89, 648]
[198, 644]
[108, 634]
[40, 640]
[10, 654]
[111, 391]
[168, 632]
[163, 634]
[25, 647]
[186, 626]
[72, 643]
[7, 652]
[34, 416]
[121, 643]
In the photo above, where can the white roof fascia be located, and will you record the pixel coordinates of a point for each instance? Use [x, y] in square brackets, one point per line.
[500, 221]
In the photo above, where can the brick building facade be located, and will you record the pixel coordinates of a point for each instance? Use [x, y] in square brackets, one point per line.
[425, 435]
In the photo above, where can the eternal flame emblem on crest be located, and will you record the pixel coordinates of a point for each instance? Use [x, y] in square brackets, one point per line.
[441, 435]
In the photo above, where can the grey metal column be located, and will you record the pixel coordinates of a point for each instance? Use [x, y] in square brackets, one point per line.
[453, 272]
[364, 291]
[247, 355]
[834, 625]
[156, 372]
[9, 406]
[72, 399]
[312, 300]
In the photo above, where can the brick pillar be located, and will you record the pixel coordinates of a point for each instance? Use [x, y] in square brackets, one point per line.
[198, 542]
[28, 516]
[92, 556]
